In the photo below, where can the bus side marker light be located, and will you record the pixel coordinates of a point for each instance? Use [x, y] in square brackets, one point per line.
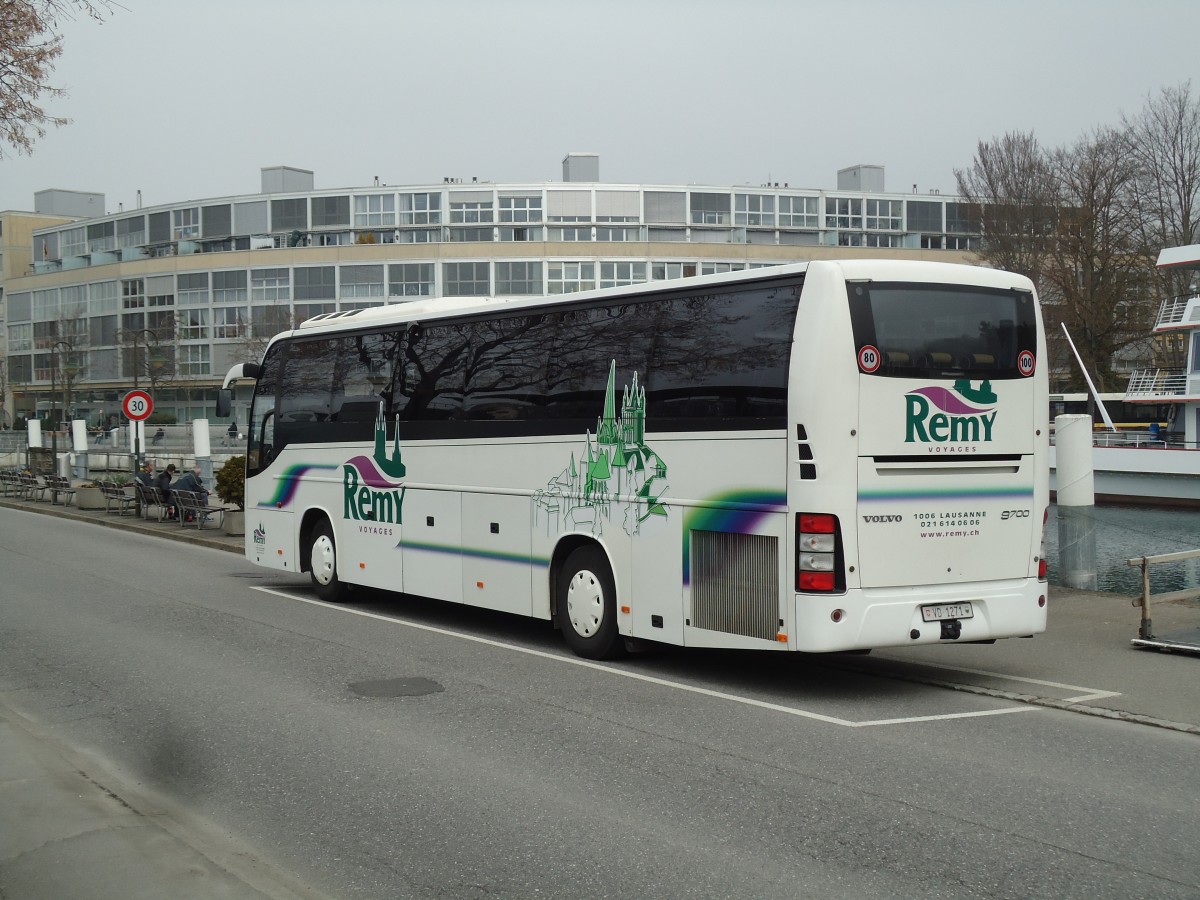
[781, 637]
[837, 615]
[479, 584]
[1042, 601]
[625, 609]
[280, 552]
[362, 565]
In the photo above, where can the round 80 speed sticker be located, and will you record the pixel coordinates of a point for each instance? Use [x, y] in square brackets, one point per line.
[869, 358]
[1026, 363]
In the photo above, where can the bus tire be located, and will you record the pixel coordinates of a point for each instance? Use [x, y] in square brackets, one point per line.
[587, 605]
[322, 565]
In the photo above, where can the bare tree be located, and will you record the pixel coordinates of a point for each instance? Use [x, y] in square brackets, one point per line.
[1164, 142]
[29, 46]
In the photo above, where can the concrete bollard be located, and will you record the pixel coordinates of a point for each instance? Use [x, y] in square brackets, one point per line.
[79, 441]
[203, 447]
[1076, 501]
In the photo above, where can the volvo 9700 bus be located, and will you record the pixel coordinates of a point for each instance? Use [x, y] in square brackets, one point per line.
[814, 457]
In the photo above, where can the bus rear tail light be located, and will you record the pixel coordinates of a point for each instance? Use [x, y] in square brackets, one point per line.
[818, 554]
[1042, 568]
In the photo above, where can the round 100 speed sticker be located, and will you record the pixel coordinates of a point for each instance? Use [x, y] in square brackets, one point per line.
[869, 358]
[1025, 363]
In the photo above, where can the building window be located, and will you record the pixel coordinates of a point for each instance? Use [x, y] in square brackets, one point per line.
[410, 280]
[420, 236]
[963, 218]
[518, 279]
[714, 268]
[525, 233]
[571, 234]
[374, 210]
[520, 209]
[101, 237]
[289, 214]
[133, 294]
[468, 212]
[844, 213]
[471, 235]
[228, 321]
[131, 232]
[362, 281]
[851, 239]
[618, 274]
[186, 223]
[710, 209]
[883, 240]
[610, 233]
[314, 283]
[663, 271]
[20, 337]
[466, 279]
[799, 212]
[329, 212]
[565, 277]
[754, 209]
[193, 325]
[925, 216]
[74, 242]
[194, 359]
[270, 285]
[192, 289]
[420, 209]
[229, 287]
[885, 215]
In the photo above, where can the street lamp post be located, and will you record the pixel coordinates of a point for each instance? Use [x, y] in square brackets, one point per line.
[54, 357]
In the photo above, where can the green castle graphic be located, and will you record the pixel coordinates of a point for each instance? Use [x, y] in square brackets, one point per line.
[616, 471]
[394, 466]
[983, 395]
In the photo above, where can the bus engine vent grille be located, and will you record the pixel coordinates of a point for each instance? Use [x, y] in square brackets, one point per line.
[735, 583]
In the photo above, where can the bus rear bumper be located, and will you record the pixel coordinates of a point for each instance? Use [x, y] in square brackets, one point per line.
[896, 617]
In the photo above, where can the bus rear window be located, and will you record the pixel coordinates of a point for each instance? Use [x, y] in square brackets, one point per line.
[938, 330]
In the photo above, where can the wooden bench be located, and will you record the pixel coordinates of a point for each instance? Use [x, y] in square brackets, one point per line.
[192, 505]
[116, 498]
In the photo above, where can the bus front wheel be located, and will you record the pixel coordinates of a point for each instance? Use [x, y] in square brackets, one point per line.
[322, 565]
[587, 605]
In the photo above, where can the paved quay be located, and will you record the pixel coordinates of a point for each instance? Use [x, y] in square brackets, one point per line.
[69, 829]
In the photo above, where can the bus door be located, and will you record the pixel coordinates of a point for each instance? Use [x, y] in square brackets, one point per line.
[947, 421]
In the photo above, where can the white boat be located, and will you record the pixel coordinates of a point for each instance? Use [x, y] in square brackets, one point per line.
[1152, 467]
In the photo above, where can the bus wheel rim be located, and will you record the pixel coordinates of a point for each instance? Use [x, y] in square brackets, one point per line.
[323, 562]
[585, 603]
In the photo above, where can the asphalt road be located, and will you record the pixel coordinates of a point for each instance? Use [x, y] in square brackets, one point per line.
[400, 748]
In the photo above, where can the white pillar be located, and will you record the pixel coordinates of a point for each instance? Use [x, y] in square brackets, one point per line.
[34, 427]
[79, 440]
[203, 447]
[1076, 501]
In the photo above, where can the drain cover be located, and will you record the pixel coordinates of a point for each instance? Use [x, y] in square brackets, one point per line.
[396, 687]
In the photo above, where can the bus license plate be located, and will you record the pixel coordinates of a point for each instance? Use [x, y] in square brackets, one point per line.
[941, 611]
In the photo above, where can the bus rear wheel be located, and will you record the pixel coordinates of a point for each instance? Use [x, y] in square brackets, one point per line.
[322, 565]
[587, 605]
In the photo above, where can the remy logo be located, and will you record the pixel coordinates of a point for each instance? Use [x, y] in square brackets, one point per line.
[937, 415]
[372, 490]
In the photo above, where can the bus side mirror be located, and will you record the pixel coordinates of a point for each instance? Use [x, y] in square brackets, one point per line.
[224, 402]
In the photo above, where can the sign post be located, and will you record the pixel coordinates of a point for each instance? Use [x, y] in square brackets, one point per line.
[137, 406]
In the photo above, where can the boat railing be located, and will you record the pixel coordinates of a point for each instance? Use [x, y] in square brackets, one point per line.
[1156, 383]
[1173, 310]
[1145, 440]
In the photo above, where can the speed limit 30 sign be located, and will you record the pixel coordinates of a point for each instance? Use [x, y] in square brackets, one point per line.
[137, 406]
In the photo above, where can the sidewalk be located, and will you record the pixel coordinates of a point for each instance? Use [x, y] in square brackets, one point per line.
[67, 829]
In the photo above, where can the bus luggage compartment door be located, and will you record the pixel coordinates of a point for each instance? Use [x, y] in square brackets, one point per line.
[937, 522]
[271, 538]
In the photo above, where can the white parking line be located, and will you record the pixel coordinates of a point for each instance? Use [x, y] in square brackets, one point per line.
[1088, 693]
[637, 676]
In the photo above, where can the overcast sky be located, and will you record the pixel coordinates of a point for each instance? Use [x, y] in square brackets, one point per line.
[189, 100]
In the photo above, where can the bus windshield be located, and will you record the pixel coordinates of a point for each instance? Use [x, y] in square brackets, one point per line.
[933, 330]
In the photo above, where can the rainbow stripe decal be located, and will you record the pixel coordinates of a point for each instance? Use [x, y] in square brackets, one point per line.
[289, 482]
[997, 493]
[473, 553]
[736, 512]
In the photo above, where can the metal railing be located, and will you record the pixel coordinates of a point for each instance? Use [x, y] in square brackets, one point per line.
[1145, 629]
[1156, 383]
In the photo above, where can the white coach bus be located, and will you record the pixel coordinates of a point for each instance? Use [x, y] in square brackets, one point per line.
[816, 457]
